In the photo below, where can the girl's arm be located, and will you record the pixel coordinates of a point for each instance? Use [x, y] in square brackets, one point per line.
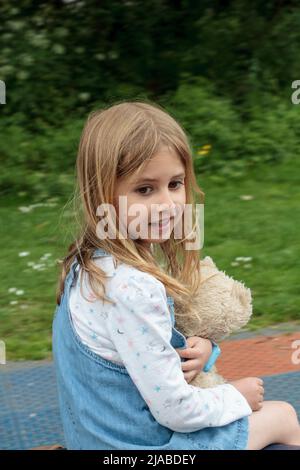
[140, 328]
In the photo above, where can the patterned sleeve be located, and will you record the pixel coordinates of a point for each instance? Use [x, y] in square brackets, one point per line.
[140, 327]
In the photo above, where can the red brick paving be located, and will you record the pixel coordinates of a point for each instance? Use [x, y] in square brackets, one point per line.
[258, 356]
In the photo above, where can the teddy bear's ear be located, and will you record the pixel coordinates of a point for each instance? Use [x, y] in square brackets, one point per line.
[207, 261]
[207, 269]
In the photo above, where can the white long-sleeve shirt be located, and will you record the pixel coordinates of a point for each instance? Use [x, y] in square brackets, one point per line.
[136, 333]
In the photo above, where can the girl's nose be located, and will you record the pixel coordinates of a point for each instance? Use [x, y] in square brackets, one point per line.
[167, 206]
[166, 199]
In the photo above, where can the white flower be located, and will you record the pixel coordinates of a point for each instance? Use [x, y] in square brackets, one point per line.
[58, 49]
[246, 197]
[13, 302]
[24, 253]
[53, 199]
[24, 209]
[39, 266]
[16, 25]
[22, 75]
[12, 289]
[19, 292]
[243, 258]
[45, 256]
[84, 96]
[38, 204]
[234, 264]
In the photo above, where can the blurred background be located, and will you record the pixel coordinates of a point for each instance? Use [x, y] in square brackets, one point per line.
[223, 69]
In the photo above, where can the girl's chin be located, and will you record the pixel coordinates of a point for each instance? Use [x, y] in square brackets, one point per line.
[157, 239]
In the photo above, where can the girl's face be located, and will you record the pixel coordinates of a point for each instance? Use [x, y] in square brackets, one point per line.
[156, 193]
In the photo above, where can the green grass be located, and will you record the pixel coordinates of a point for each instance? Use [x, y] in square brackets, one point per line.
[26, 326]
[265, 228]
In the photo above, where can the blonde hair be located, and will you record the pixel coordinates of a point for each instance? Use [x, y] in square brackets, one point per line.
[115, 142]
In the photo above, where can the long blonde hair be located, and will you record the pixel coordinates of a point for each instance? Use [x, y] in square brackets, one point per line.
[117, 141]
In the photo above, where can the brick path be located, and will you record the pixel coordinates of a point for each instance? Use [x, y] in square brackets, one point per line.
[259, 356]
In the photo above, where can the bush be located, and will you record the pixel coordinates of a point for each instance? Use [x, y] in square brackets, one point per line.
[42, 163]
[223, 139]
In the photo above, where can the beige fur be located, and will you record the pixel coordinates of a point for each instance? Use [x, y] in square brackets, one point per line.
[222, 306]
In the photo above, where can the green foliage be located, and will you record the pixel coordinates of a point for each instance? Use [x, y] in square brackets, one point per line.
[42, 163]
[224, 70]
[224, 143]
[269, 133]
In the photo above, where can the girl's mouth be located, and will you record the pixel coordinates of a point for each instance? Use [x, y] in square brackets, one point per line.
[162, 224]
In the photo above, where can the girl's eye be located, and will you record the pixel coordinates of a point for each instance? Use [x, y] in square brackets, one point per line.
[146, 187]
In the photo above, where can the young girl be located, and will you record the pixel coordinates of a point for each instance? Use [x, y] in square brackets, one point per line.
[123, 369]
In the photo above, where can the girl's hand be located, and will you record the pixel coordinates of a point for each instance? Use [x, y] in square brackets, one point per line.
[253, 390]
[197, 353]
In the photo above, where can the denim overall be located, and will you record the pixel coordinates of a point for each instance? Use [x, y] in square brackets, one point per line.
[102, 409]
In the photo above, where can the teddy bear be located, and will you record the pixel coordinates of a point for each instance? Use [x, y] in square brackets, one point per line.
[221, 306]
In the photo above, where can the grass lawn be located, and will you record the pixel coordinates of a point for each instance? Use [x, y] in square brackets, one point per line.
[263, 228]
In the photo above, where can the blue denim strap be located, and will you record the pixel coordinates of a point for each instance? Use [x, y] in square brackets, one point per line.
[170, 302]
[100, 252]
[71, 274]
